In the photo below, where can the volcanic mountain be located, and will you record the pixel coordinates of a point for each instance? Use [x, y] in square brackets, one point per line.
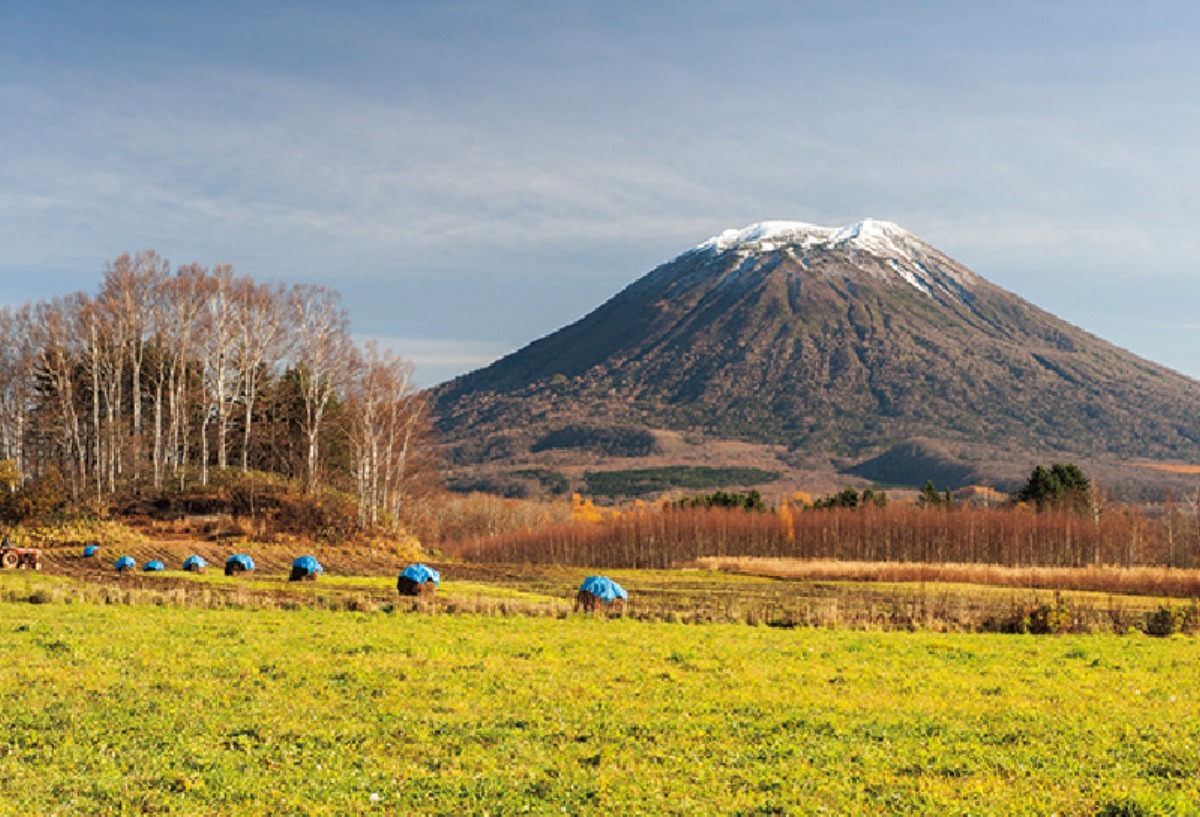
[862, 345]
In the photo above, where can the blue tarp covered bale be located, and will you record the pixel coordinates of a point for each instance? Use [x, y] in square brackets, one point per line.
[153, 565]
[238, 563]
[418, 580]
[125, 563]
[194, 564]
[600, 589]
[305, 568]
[91, 550]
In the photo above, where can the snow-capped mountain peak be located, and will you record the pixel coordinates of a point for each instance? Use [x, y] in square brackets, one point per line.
[881, 249]
[871, 235]
[883, 238]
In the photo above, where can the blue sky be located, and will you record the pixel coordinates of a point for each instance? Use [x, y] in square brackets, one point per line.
[473, 175]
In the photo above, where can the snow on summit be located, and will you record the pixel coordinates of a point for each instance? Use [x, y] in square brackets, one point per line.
[876, 247]
[874, 236]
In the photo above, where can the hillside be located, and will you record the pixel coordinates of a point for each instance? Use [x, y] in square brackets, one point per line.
[845, 347]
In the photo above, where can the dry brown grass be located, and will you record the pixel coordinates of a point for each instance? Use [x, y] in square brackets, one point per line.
[1148, 581]
[1170, 468]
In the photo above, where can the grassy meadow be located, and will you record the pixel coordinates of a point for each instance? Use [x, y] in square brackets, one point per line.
[112, 708]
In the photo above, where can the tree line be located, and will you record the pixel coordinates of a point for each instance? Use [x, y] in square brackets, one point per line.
[672, 537]
[165, 374]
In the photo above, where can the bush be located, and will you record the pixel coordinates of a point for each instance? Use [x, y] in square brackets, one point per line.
[327, 515]
[42, 499]
[1162, 622]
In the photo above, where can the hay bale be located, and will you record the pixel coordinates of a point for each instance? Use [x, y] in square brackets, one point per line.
[600, 590]
[410, 587]
[418, 580]
[586, 602]
[305, 569]
[238, 563]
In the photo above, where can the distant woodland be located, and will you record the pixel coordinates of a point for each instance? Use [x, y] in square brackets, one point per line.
[167, 376]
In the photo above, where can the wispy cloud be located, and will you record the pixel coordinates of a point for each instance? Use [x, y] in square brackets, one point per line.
[408, 155]
[436, 360]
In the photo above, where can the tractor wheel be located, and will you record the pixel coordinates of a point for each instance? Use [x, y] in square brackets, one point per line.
[9, 560]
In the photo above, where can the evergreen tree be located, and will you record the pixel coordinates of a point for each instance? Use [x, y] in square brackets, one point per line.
[929, 495]
[1062, 484]
[869, 497]
[846, 498]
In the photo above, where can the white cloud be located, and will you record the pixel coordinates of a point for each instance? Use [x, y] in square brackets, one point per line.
[383, 154]
[438, 359]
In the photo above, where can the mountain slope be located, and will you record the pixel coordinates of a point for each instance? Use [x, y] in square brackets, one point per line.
[836, 341]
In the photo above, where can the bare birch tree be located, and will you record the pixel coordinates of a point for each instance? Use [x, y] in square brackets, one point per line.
[57, 332]
[103, 356]
[218, 334]
[198, 347]
[262, 341]
[187, 293]
[160, 369]
[131, 289]
[385, 416]
[16, 383]
[322, 354]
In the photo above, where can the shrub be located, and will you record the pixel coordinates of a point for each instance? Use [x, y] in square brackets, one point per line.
[327, 515]
[42, 499]
[1162, 622]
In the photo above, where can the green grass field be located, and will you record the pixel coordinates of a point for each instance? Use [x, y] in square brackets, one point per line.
[111, 709]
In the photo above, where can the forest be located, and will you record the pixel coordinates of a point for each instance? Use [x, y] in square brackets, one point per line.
[167, 376]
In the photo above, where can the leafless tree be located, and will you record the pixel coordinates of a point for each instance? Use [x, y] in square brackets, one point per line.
[385, 414]
[323, 351]
[131, 289]
[57, 332]
[187, 293]
[200, 347]
[16, 383]
[103, 356]
[218, 334]
[262, 341]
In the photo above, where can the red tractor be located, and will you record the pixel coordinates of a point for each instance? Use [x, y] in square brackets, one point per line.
[12, 556]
